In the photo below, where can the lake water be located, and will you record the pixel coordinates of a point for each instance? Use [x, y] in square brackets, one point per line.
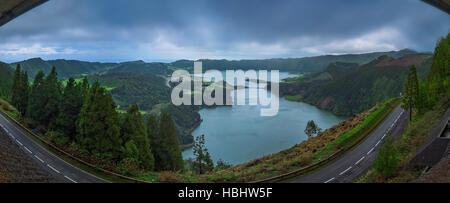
[238, 134]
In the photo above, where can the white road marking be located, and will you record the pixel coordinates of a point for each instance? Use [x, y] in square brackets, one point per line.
[28, 150]
[378, 143]
[345, 170]
[39, 159]
[360, 160]
[70, 179]
[329, 180]
[53, 168]
[370, 151]
[383, 136]
[19, 142]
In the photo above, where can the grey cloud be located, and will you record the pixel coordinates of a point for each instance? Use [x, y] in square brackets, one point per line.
[171, 29]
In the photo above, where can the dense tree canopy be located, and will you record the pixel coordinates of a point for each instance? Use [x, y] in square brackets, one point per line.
[98, 124]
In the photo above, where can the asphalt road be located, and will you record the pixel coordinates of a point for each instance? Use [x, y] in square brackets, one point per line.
[61, 170]
[357, 162]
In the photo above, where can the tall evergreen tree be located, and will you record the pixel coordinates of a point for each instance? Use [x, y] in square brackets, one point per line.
[37, 99]
[15, 89]
[170, 152]
[134, 132]
[412, 95]
[25, 86]
[203, 162]
[69, 108]
[98, 124]
[157, 144]
[19, 91]
[52, 90]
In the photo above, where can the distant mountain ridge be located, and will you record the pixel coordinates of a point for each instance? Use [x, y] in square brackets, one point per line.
[305, 64]
[77, 69]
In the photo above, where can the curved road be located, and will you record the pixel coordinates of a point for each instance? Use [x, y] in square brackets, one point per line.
[357, 162]
[61, 170]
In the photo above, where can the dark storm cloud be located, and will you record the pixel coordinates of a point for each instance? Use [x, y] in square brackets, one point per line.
[173, 29]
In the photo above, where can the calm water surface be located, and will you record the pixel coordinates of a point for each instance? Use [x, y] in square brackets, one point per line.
[238, 134]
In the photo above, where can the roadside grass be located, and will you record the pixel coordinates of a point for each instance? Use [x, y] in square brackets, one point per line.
[351, 137]
[414, 137]
[294, 98]
[9, 109]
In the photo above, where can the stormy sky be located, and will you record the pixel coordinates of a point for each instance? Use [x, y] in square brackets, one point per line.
[166, 30]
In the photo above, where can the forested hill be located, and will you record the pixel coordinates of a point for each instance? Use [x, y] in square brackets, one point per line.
[307, 64]
[160, 69]
[77, 69]
[64, 68]
[345, 88]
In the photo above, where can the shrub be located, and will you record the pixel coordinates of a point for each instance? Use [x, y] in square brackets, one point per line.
[387, 160]
[128, 166]
[58, 138]
[168, 176]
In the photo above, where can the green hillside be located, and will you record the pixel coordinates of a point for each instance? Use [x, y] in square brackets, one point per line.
[346, 89]
[65, 68]
[140, 66]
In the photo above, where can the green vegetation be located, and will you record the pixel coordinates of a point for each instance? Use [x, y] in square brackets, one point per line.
[294, 98]
[9, 109]
[100, 136]
[387, 160]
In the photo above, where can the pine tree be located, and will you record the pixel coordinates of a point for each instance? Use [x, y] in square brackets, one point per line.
[25, 86]
[170, 152]
[135, 133]
[37, 99]
[52, 91]
[19, 91]
[16, 87]
[69, 108]
[157, 144]
[411, 97]
[203, 162]
[98, 124]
